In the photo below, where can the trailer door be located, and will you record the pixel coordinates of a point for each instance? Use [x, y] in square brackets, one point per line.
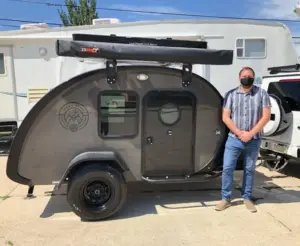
[8, 111]
[169, 130]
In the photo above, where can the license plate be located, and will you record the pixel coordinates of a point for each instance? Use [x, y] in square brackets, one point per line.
[279, 148]
[274, 146]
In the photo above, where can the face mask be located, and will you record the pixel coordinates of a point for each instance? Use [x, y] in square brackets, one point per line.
[247, 81]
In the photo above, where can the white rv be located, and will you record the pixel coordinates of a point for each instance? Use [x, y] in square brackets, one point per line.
[29, 66]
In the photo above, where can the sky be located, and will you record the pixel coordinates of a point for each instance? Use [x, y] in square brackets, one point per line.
[275, 9]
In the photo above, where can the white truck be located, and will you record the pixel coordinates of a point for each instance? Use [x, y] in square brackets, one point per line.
[281, 140]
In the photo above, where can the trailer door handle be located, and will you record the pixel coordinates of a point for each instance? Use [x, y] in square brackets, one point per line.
[149, 140]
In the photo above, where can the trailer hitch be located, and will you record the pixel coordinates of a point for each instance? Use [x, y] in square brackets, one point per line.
[279, 161]
[277, 168]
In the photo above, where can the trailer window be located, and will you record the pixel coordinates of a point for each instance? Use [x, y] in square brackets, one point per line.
[2, 65]
[251, 48]
[118, 115]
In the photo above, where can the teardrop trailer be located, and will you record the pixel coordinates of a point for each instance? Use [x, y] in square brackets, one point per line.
[102, 129]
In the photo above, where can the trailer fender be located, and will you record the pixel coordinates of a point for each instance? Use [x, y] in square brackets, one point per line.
[93, 156]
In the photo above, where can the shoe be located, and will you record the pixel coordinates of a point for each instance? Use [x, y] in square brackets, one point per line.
[250, 206]
[222, 205]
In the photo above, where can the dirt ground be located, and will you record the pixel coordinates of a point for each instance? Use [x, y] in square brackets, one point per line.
[175, 214]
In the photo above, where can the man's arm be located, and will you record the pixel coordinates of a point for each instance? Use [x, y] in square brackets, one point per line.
[266, 114]
[229, 123]
[227, 107]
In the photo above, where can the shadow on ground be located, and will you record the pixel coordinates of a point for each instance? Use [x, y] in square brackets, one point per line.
[292, 170]
[146, 199]
[143, 199]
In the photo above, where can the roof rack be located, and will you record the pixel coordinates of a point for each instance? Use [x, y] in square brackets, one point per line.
[284, 69]
[115, 48]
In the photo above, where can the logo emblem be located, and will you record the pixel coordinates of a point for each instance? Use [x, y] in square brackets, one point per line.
[73, 116]
[89, 50]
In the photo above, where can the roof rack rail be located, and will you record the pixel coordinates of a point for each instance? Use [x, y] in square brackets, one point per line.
[284, 69]
[115, 48]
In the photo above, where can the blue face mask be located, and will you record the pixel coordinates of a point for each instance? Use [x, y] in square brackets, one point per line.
[247, 82]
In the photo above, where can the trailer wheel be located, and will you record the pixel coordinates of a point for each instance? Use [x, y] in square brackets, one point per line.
[96, 192]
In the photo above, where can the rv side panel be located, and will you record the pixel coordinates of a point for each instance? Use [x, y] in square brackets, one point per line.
[35, 72]
[7, 85]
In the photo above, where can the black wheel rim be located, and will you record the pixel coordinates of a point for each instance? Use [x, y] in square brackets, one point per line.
[96, 194]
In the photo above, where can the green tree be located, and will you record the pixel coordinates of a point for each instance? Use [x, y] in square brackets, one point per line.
[79, 14]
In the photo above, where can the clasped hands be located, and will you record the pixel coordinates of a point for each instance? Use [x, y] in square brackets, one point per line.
[245, 136]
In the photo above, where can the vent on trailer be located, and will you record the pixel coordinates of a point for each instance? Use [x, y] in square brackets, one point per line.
[35, 94]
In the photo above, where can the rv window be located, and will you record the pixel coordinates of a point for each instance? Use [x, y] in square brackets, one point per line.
[251, 48]
[118, 114]
[2, 66]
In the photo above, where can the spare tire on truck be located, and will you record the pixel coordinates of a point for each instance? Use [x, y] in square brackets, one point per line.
[281, 117]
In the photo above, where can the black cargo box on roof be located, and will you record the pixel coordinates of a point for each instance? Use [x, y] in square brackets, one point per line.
[149, 49]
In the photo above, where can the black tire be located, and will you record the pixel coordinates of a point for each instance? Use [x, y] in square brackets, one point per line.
[108, 179]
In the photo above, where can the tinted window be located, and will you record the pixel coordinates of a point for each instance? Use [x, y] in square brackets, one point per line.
[288, 92]
[118, 115]
[2, 67]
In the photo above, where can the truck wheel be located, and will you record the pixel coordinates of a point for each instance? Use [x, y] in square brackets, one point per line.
[96, 192]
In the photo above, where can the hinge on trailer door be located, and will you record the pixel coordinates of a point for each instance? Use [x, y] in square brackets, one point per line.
[186, 75]
[111, 69]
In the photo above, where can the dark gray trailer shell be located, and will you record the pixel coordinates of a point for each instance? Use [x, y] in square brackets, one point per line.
[44, 148]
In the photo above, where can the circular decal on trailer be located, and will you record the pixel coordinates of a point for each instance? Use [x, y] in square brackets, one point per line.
[276, 116]
[73, 116]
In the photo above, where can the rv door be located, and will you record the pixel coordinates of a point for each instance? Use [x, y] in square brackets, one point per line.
[7, 86]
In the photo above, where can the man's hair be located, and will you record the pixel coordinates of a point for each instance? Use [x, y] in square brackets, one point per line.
[247, 68]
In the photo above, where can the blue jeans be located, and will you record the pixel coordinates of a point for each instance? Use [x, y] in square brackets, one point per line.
[233, 148]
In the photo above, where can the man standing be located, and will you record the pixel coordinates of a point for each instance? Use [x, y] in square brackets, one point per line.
[246, 111]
